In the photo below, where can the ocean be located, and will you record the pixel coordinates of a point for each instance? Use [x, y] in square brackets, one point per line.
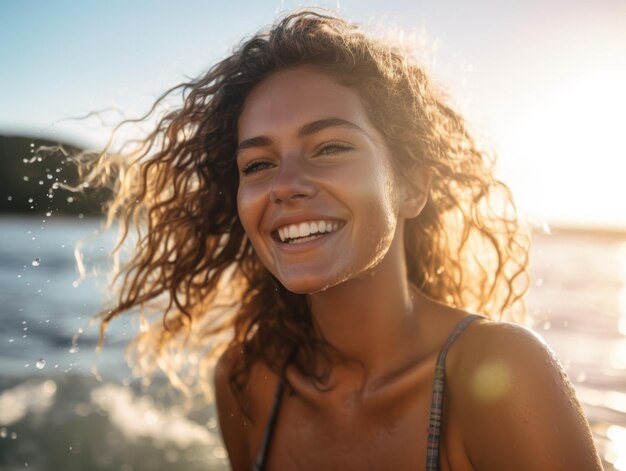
[63, 407]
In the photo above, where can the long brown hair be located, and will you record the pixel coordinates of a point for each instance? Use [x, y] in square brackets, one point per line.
[193, 266]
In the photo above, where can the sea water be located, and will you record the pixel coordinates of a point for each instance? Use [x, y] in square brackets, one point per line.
[63, 407]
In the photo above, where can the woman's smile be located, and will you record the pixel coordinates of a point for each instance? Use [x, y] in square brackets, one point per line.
[316, 195]
[296, 233]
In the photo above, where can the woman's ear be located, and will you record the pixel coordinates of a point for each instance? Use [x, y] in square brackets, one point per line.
[413, 197]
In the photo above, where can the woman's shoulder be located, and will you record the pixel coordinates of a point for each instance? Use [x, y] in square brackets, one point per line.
[492, 358]
[257, 387]
[486, 338]
[514, 403]
[243, 413]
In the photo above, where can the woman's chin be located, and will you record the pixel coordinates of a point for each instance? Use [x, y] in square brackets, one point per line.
[306, 285]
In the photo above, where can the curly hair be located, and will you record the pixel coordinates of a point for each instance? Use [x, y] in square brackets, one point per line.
[193, 266]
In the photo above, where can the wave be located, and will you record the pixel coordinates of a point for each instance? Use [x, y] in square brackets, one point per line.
[77, 422]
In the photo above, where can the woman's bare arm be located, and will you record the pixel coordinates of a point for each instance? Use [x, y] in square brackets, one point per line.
[516, 406]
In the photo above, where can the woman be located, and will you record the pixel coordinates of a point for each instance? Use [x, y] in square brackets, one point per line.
[318, 175]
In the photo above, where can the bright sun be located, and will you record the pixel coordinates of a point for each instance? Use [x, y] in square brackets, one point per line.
[566, 158]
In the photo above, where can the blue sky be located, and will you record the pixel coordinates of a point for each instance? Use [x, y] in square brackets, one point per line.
[540, 81]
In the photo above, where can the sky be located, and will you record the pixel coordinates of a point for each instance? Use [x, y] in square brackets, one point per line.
[542, 83]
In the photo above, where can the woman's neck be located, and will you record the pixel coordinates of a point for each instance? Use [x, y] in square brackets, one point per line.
[370, 319]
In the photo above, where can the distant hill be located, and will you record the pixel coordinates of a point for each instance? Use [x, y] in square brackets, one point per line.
[29, 169]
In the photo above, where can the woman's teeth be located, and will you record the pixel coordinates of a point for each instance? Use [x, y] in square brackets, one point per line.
[305, 231]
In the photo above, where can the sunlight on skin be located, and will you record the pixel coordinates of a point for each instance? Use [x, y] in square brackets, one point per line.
[491, 381]
[570, 146]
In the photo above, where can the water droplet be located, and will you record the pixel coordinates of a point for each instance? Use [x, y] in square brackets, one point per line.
[75, 284]
[547, 325]
[13, 435]
[30, 200]
[70, 199]
[41, 182]
[55, 186]
[81, 215]
[49, 213]
[3, 432]
[11, 340]
[32, 144]
[25, 178]
[41, 363]
[36, 262]
[10, 198]
[73, 349]
[49, 176]
[539, 283]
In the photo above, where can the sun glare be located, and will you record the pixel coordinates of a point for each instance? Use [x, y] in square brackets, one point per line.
[565, 156]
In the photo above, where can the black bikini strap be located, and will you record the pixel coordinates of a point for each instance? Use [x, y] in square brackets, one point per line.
[269, 428]
[271, 424]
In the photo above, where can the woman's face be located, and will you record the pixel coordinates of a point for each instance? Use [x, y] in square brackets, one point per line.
[317, 196]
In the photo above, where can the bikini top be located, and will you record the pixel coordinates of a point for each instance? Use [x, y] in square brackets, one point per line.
[436, 408]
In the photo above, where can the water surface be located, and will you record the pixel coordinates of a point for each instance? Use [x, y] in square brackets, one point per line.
[56, 413]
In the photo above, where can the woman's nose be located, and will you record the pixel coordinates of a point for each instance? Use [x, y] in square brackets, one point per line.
[291, 182]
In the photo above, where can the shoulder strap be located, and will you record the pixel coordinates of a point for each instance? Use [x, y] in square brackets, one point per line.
[269, 428]
[268, 433]
[436, 409]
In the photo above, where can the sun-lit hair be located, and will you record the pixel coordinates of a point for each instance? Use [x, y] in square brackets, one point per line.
[193, 266]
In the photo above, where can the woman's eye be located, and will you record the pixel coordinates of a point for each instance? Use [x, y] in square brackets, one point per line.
[333, 148]
[254, 167]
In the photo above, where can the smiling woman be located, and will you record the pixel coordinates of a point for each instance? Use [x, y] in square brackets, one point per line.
[316, 200]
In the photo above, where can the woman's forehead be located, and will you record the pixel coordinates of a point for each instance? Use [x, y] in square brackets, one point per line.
[289, 99]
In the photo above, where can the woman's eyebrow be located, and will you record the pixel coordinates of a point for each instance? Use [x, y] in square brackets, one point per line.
[304, 131]
[258, 141]
[317, 126]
